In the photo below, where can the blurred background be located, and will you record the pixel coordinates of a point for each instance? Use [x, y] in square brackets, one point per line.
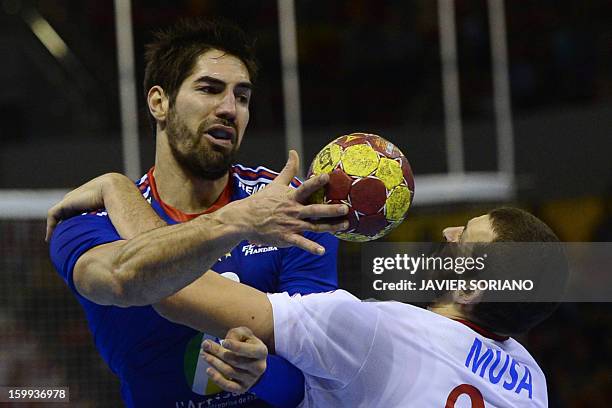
[523, 119]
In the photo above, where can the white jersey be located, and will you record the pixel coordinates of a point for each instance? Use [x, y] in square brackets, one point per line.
[389, 354]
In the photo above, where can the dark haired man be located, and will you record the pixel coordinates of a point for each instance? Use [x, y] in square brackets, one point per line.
[366, 354]
[390, 354]
[198, 86]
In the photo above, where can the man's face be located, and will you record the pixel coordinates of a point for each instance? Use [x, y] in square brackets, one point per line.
[206, 123]
[478, 229]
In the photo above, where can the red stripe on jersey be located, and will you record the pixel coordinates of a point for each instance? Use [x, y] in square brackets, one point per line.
[253, 174]
[264, 173]
[178, 215]
[144, 184]
[482, 331]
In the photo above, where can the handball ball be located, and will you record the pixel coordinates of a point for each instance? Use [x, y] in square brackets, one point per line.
[372, 177]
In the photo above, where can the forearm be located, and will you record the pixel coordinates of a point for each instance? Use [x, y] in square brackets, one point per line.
[162, 261]
[130, 213]
[157, 260]
[215, 304]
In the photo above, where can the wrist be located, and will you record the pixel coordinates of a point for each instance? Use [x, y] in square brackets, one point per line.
[237, 218]
[227, 222]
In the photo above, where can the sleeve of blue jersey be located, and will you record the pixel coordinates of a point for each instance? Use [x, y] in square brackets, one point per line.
[304, 273]
[281, 385]
[75, 236]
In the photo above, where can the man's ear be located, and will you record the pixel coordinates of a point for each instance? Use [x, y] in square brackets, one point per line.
[159, 103]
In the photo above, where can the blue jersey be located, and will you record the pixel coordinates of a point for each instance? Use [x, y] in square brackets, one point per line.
[158, 361]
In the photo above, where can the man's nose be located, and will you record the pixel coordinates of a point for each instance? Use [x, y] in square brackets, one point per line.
[227, 107]
[452, 234]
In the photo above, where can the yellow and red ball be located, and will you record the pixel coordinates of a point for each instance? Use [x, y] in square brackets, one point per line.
[370, 175]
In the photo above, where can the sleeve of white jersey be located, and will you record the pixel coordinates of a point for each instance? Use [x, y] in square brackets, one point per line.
[326, 335]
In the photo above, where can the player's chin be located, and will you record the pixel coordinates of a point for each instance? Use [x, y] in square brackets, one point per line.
[215, 164]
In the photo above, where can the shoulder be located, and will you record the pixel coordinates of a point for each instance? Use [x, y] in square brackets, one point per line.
[326, 303]
[253, 179]
[97, 220]
[531, 376]
[82, 231]
[75, 236]
[524, 357]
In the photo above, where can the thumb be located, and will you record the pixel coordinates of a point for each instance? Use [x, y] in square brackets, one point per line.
[290, 169]
[239, 333]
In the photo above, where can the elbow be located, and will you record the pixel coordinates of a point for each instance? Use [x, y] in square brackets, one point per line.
[121, 297]
[126, 290]
[117, 292]
[100, 284]
[131, 285]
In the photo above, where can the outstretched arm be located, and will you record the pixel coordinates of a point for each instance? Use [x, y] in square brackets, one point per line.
[215, 304]
[158, 260]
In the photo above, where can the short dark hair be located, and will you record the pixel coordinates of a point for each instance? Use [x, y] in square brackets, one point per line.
[516, 225]
[172, 54]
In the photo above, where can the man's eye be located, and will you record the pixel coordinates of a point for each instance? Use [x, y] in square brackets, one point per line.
[243, 98]
[207, 89]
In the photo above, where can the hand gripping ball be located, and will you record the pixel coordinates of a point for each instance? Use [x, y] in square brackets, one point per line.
[370, 175]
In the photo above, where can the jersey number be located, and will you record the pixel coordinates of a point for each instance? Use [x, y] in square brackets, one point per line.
[470, 391]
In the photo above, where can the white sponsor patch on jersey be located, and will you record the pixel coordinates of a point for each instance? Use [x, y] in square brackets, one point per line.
[251, 249]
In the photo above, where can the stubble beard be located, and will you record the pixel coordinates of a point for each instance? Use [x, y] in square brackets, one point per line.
[196, 154]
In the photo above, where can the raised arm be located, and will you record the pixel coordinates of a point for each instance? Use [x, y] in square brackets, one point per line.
[158, 260]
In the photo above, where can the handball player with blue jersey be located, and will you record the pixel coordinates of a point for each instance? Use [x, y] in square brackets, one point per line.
[210, 214]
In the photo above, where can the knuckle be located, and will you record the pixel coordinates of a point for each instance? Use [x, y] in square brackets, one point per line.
[227, 343]
[236, 348]
[238, 389]
[220, 378]
[230, 372]
[214, 347]
[293, 211]
[260, 367]
[230, 358]
[217, 377]
[216, 350]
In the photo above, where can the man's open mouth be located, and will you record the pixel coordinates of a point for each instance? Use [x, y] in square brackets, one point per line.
[221, 132]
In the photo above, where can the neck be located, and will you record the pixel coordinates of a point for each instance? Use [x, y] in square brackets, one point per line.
[449, 310]
[179, 188]
[457, 312]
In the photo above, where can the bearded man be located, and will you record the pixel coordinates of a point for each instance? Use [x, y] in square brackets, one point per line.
[198, 85]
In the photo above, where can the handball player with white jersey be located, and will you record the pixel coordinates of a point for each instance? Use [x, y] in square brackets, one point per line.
[389, 354]
[457, 353]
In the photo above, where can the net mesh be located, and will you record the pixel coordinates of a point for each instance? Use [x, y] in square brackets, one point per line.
[44, 338]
